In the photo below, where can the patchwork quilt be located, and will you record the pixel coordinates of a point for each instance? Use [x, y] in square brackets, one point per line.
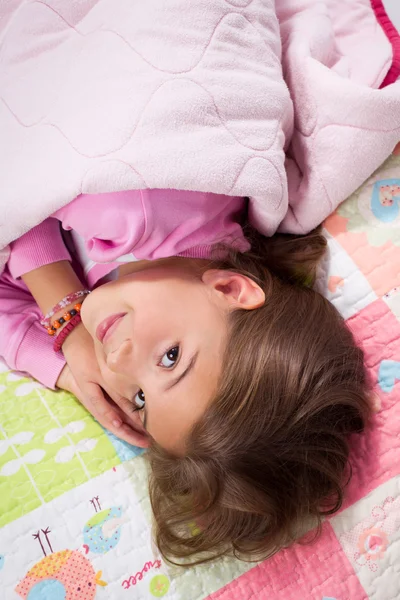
[74, 511]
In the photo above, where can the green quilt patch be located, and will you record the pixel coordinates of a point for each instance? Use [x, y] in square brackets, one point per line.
[49, 444]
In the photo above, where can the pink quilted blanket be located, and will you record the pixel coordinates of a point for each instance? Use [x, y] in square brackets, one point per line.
[106, 95]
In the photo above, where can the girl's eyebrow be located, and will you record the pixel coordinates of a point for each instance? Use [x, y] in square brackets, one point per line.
[180, 377]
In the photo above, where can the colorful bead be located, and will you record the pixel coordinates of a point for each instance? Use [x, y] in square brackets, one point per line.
[69, 299]
[68, 317]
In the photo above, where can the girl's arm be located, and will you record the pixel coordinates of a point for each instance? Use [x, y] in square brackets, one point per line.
[42, 260]
[24, 343]
[48, 285]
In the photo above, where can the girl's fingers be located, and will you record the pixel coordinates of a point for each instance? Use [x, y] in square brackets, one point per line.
[133, 437]
[132, 424]
[111, 416]
[129, 415]
[100, 405]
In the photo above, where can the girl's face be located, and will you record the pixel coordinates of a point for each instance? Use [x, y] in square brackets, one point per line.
[159, 334]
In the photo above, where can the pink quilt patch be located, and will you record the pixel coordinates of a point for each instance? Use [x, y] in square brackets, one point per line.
[313, 572]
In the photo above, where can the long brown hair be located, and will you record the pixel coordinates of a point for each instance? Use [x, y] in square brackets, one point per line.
[270, 455]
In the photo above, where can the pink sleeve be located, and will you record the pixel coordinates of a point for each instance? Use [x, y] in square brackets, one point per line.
[110, 224]
[24, 343]
[40, 246]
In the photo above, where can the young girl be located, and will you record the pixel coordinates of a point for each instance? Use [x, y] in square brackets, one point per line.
[210, 348]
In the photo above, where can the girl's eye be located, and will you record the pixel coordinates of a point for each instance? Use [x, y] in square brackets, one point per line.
[170, 358]
[139, 400]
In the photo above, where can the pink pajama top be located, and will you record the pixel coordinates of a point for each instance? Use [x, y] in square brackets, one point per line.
[97, 233]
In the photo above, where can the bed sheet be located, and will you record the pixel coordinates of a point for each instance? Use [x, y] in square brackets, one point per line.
[74, 511]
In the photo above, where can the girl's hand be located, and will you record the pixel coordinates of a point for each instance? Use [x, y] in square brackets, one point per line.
[81, 376]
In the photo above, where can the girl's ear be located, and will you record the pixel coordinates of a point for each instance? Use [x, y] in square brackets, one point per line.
[235, 289]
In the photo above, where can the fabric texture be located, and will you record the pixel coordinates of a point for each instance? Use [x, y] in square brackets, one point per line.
[24, 343]
[110, 95]
[40, 246]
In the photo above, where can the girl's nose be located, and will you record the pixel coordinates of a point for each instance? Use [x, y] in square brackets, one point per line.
[120, 360]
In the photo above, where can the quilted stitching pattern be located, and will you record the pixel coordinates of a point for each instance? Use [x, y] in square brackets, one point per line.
[113, 129]
[104, 95]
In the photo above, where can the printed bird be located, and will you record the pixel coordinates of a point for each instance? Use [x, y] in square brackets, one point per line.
[103, 531]
[64, 575]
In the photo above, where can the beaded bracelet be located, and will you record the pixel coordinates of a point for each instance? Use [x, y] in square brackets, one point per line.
[69, 299]
[52, 330]
[65, 331]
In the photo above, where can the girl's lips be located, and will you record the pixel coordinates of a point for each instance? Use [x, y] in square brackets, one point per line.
[107, 326]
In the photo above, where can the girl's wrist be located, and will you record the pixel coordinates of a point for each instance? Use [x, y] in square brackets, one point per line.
[69, 319]
[68, 330]
[62, 312]
[62, 309]
[50, 283]
[77, 333]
